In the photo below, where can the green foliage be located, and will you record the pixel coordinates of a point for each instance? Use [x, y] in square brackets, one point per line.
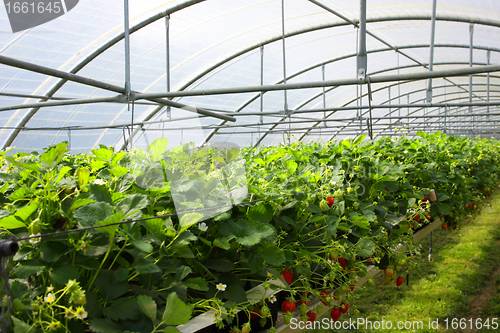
[156, 273]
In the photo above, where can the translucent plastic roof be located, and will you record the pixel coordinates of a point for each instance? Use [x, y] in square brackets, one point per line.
[220, 44]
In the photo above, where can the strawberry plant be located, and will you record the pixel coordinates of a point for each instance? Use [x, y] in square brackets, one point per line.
[204, 225]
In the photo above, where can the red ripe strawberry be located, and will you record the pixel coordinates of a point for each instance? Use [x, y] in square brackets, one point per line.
[335, 314]
[311, 316]
[352, 287]
[425, 199]
[344, 307]
[287, 276]
[417, 218]
[489, 194]
[325, 297]
[468, 206]
[330, 201]
[399, 281]
[455, 227]
[444, 226]
[287, 306]
[254, 314]
[342, 261]
[369, 260]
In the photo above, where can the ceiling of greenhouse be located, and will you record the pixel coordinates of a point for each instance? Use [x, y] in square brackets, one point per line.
[200, 53]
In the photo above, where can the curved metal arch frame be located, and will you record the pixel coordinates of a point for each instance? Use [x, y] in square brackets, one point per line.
[312, 29]
[346, 57]
[332, 113]
[189, 3]
[94, 55]
[417, 110]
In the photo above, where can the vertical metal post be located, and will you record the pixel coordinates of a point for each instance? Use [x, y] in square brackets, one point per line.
[167, 45]
[358, 90]
[471, 49]
[283, 51]
[362, 57]
[399, 90]
[261, 81]
[324, 93]
[431, 57]
[69, 140]
[284, 67]
[127, 48]
[488, 59]
[127, 62]
[408, 111]
[360, 110]
[445, 114]
[390, 109]
[471, 52]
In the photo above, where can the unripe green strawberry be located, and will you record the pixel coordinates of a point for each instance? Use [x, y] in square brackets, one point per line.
[303, 308]
[323, 205]
[262, 322]
[350, 190]
[332, 276]
[264, 311]
[287, 317]
[338, 194]
[36, 226]
[246, 328]
[344, 289]
[319, 309]
[355, 205]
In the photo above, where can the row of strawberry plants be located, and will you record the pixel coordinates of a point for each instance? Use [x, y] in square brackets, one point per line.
[311, 215]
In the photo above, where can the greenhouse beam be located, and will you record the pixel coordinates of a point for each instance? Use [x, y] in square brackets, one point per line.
[126, 32]
[431, 57]
[488, 56]
[362, 59]
[471, 55]
[328, 83]
[102, 85]
[117, 98]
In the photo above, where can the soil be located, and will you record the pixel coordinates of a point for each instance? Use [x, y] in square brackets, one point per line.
[478, 304]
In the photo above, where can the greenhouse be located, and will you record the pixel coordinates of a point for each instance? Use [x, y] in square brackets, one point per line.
[227, 166]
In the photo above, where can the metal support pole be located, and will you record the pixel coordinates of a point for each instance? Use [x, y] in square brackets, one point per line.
[284, 48]
[103, 85]
[362, 57]
[324, 93]
[399, 87]
[127, 48]
[430, 247]
[284, 68]
[167, 65]
[488, 59]
[471, 52]
[262, 81]
[431, 57]
[390, 109]
[423, 75]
